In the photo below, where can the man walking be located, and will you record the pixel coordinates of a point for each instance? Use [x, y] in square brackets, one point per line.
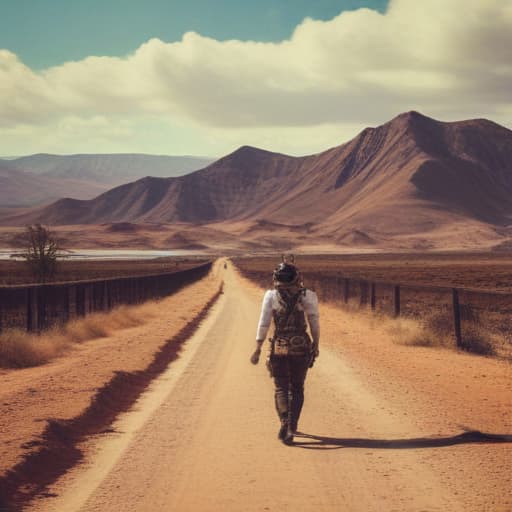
[292, 351]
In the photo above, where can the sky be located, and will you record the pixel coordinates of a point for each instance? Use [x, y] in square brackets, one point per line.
[203, 77]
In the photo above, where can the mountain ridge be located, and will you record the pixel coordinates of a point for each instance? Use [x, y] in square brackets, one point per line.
[23, 189]
[413, 174]
[86, 175]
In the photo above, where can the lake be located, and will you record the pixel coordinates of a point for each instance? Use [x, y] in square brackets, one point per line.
[110, 254]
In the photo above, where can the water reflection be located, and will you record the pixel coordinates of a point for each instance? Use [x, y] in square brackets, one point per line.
[108, 254]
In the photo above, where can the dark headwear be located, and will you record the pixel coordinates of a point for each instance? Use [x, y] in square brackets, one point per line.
[285, 273]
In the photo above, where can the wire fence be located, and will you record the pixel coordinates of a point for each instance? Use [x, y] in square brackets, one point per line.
[460, 312]
[38, 307]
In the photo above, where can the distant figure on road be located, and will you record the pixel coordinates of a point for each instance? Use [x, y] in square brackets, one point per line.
[291, 350]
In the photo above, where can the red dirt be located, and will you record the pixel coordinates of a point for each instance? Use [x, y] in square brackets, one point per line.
[83, 391]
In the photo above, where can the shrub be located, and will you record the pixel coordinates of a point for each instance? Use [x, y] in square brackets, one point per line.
[41, 251]
[408, 331]
[477, 340]
[20, 349]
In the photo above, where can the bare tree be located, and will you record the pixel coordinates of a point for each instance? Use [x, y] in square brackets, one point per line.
[41, 251]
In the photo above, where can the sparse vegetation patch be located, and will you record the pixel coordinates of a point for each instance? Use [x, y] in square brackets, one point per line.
[19, 349]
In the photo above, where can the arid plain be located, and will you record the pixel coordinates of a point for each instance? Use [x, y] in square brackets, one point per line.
[411, 427]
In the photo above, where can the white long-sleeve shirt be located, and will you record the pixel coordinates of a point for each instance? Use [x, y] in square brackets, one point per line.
[307, 303]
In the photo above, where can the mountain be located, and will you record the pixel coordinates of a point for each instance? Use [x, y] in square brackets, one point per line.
[19, 188]
[413, 176]
[109, 169]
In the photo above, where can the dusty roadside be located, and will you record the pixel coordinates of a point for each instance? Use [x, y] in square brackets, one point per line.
[445, 393]
[441, 393]
[64, 388]
[373, 435]
[385, 427]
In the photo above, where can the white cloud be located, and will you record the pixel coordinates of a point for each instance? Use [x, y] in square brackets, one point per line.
[445, 57]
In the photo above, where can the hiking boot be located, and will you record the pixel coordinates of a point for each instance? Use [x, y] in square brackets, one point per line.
[288, 437]
[282, 431]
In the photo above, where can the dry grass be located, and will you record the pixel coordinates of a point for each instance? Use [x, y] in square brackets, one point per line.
[412, 332]
[432, 331]
[19, 349]
[479, 340]
[436, 330]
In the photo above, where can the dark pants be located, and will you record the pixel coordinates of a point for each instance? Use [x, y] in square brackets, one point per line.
[289, 373]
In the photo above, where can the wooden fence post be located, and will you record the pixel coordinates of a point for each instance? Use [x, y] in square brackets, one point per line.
[122, 291]
[363, 289]
[106, 301]
[31, 308]
[456, 317]
[139, 289]
[100, 299]
[372, 297]
[94, 297]
[66, 304]
[346, 290]
[131, 287]
[1, 309]
[396, 302]
[88, 299]
[41, 307]
[80, 300]
[115, 296]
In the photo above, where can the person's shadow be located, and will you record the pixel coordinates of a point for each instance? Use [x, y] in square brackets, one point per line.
[316, 442]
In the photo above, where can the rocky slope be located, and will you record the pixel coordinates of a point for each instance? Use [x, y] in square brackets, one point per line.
[412, 175]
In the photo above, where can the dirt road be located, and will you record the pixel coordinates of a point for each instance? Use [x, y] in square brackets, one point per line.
[203, 438]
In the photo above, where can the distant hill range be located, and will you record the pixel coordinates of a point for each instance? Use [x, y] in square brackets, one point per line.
[411, 177]
[20, 188]
[83, 176]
